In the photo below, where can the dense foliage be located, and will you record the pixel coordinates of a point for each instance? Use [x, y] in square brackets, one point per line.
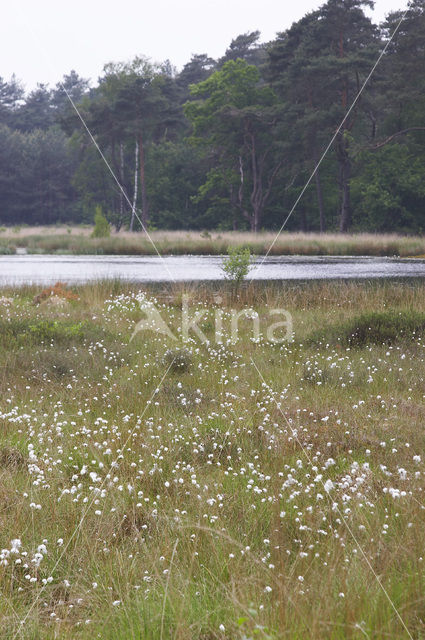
[231, 143]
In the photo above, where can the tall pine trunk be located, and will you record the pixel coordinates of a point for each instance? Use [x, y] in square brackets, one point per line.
[319, 194]
[303, 219]
[345, 214]
[345, 179]
[119, 170]
[256, 217]
[344, 158]
[257, 187]
[121, 217]
[233, 205]
[145, 209]
[136, 185]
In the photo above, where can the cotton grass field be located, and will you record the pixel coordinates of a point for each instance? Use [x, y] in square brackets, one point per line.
[152, 489]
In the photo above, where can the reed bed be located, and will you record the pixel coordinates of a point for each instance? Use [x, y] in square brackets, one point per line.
[77, 240]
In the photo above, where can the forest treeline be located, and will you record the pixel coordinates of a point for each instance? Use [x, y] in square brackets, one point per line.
[230, 143]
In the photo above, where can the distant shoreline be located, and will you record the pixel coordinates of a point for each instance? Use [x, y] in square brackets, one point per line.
[77, 240]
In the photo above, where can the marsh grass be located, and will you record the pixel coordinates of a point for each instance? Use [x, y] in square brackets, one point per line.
[178, 359]
[79, 241]
[204, 517]
[383, 327]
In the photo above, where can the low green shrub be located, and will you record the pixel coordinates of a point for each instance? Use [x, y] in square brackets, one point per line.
[374, 327]
[101, 225]
[237, 264]
[38, 331]
[178, 359]
[12, 458]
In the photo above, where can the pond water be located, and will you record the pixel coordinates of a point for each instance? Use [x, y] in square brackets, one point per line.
[48, 269]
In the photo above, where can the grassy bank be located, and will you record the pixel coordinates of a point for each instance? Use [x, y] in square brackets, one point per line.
[202, 491]
[77, 240]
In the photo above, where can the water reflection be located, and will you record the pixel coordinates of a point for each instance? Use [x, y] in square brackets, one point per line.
[46, 269]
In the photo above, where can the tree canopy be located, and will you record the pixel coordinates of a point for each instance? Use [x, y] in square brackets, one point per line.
[231, 143]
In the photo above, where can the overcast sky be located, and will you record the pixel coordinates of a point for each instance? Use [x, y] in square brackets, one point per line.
[40, 40]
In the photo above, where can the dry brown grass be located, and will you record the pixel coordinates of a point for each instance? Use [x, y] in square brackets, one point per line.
[78, 240]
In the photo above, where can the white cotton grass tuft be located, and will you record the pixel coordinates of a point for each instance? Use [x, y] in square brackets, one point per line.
[328, 485]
